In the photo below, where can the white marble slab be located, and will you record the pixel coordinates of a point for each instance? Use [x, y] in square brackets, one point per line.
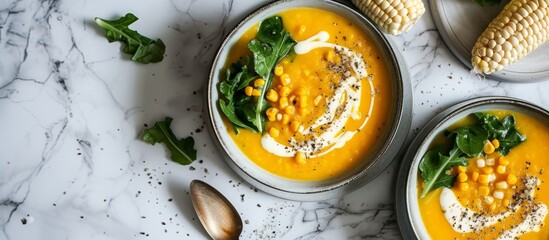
[72, 108]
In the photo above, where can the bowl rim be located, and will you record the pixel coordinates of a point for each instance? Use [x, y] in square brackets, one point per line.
[414, 229]
[396, 136]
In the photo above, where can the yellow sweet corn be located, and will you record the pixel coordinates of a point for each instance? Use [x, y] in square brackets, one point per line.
[483, 191]
[279, 70]
[519, 28]
[259, 82]
[272, 95]
[284, 91]
[274, 132]
[248, 90]
[489, 147]
[294, 125]
[300, 158]
[255, 92]
[462, 177]
[392, 16]
[511, 179]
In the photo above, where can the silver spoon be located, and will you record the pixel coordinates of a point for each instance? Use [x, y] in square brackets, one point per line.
[216, 213]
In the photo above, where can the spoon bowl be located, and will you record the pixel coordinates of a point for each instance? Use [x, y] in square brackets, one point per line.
[216, 213]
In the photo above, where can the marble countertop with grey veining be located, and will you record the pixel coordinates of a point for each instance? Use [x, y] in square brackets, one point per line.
[73, 107]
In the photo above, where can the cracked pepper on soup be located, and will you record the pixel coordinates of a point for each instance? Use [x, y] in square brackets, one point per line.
[486, 178]
[306, 94]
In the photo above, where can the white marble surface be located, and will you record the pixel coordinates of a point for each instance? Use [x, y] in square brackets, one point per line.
[72, 108]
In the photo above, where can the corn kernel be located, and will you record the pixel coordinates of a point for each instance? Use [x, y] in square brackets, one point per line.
[462, 177]
[285, 118]
[503, 161]
[274, 132]
[491, 177]
[483, 178]
[495, 142]
[329, 56]
[302, 91]
[279, 70]
[279, 117]
[483, 191]
[501, 185]
[481, 163]
[474, 176]
[493, 207]
[285, 79]
[462, 169]
[463, 186]
[317, 100]
[283, 102]
[505, 202]
[271, 113]
[259, 82]
[498, 194]
[303, 101]
[488, 199]
[300, 158]
[489, 147]
[294, 125]
[290, 110]
[501, 169]
[272, 95]
[256, 92]
[511, 179]
[284, 91]
[248, 90]
[490, 162]
[487, 170]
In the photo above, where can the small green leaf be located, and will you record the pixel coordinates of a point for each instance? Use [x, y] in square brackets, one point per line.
[144, 50]
[434, 167]
[182, 151]
[470, 139]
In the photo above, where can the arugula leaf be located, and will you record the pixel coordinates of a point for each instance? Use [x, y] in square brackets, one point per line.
[470, 139]
[233, 83]
[491, 2]
[272, 43]
[504, 131]
[144, 50]
[434, 167]
[182, 151]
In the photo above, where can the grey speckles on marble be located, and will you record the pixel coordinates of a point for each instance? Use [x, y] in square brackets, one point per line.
[72, 109]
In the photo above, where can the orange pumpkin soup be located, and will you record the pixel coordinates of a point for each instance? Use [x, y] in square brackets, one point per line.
[329, 102]
[500, 197]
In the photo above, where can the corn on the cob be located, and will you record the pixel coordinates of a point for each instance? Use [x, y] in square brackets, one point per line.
[521, 27]
[392, 16]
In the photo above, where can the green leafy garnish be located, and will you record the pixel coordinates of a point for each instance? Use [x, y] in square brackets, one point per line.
[144, 49]
[504, 131]
[491, 2]
[271, 44]
[467, 141]
[434, 167]
[182, 151]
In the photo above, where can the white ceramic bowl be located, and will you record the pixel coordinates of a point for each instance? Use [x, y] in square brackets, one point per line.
[374, 163]
[407, 208]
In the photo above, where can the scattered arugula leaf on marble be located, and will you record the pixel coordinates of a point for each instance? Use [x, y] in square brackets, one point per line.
[491, 2]
[271, 44]
[143, 49]
[182, 151]
[467, 141]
